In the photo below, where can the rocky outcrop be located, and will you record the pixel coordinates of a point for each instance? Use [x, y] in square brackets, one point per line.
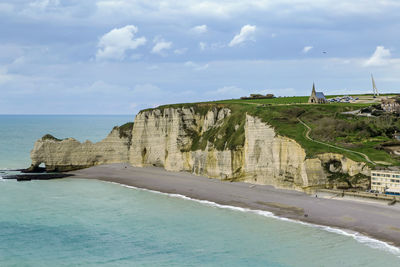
[196, 141]
[69, 154]
[339, 163]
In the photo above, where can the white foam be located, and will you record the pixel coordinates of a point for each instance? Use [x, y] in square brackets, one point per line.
[370, 242]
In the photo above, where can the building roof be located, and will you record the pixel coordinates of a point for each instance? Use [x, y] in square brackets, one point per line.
[387, 171]
[320, 95]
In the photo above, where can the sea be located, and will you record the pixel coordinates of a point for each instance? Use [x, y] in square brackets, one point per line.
[71, 222]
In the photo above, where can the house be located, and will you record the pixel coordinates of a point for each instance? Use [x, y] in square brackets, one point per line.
[386, 181]
[391, 105]
[317, 97]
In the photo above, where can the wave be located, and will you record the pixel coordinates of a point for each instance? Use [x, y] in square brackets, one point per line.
[363, 239]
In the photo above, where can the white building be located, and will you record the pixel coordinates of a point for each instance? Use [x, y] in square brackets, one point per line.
[386, 181]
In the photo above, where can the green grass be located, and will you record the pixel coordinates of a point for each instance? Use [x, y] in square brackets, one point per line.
[277, 100]
[125, 130]
[50, 137]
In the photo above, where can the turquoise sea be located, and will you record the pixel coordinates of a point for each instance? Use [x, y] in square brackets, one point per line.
[70, 222]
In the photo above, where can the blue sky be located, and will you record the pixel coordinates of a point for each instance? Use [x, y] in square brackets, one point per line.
[119, 56]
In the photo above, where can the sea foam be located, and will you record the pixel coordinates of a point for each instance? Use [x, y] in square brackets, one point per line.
[363, 239]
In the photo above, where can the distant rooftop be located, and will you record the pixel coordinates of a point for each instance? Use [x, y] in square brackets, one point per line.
[319, 95]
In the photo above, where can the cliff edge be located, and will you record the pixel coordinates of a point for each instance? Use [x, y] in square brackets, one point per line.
[212, 141]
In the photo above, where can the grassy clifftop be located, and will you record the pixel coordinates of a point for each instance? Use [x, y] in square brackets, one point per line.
[327, 123]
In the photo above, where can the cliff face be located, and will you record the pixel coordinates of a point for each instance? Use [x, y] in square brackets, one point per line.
[162, 138]
[69, 154]
[183, 139]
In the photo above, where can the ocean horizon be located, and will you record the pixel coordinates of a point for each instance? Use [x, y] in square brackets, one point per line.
[90, 223]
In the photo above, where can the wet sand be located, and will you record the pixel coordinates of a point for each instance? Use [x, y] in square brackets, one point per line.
[373, 219]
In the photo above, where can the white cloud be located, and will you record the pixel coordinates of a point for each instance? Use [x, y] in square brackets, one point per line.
[202, 45]
[228, 8]
[114, 44]
[19, 60]
[136, 56]
[160, 46]
[180, 51]
[196, 66]
[4, 76]
[246, 33]
[44, 4]
[200, 29]
[380, 57]
[307, 49]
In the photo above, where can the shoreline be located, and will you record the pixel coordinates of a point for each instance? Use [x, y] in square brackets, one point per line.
[361, 238]
[370, 219]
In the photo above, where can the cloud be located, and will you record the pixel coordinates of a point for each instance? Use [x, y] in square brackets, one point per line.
[43, 4]
[4, 76]
[202, 45]
[246, 33]
[136, 56]
[160, 46]
[19, 61]
[307, 49]
[114, 44]
[180, 51]
[196, 66]
[200, 29]
[229, 8]
[380, 57]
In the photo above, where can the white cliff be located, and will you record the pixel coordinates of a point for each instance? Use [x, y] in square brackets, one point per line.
[169, 138]
[69, 154]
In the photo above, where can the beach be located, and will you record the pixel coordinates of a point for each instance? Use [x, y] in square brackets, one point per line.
[376, 220]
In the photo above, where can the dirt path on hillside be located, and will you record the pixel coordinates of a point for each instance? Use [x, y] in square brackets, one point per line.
[307, 135]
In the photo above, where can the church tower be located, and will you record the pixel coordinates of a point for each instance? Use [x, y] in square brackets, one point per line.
[316, 97]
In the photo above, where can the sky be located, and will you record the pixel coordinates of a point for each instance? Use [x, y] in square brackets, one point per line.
[120, 56]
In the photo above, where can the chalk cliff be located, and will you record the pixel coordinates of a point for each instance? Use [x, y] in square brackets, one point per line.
[69, 154]
[200, 142]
